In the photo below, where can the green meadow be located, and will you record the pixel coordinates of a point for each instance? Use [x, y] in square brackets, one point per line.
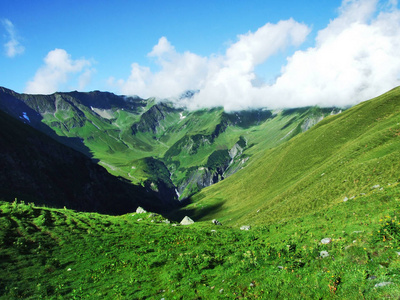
[62, 254]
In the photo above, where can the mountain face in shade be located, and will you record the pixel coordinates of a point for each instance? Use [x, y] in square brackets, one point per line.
[36, 168]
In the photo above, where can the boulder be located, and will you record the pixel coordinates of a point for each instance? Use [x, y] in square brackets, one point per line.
[140, 210]
[216, 222]
[187, 221]
[324, 254]
[326, 241]
[245, 227]
[381, 284]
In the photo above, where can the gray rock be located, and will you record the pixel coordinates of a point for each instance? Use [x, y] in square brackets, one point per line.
[376, 186]
[140, 210]
[324, 254]
[216, 222]
[326, 241]
[187, 221]
[381, 284]
[245, 227]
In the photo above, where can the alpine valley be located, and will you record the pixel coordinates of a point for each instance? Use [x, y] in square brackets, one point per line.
[169, 150]
[314, 190]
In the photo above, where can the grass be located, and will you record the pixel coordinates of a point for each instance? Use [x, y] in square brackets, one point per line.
[342, 156]
[59, 253]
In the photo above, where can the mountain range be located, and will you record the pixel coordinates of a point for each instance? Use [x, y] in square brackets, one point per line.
[300, 203]
[171, 151]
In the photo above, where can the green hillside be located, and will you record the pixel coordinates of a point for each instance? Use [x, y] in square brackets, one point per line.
[60, 254]
[342, 157]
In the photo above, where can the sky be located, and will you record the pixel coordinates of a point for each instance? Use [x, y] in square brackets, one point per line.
[235, 54]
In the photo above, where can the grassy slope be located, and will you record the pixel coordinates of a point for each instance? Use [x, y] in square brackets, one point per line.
[342, 156]
[58, 253]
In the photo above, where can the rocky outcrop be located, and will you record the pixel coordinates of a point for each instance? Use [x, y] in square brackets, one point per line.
[140, 210]
[187, 221]
[220, 165]
[216, 222]
[151, 120]
[310, 122]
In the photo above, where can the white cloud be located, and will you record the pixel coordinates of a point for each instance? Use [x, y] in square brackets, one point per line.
[13, 46]
[57, 71]
[179, 72]
[354, 58]
[188, 71]
[163, 47]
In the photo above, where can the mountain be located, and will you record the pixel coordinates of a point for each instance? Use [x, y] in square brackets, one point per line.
[170, 150]
[321, 211]
[342, 157]
[36, 168]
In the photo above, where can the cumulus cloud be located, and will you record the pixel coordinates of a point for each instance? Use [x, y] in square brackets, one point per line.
[57, 70]
[179, 72]
[354, 58]
[13, 47]
[189, 71]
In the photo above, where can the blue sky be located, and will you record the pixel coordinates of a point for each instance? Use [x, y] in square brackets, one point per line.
[236, 53]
